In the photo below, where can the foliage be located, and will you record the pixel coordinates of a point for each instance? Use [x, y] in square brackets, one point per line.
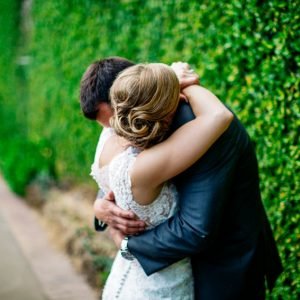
[244, 50]
[20, 159]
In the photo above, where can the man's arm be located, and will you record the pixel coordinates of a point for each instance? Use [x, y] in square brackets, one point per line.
[203, 190]
[192, 230]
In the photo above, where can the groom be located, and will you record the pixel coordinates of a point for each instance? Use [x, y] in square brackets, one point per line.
[221, 223]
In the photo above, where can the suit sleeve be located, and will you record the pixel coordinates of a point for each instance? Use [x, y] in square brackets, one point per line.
[203, 191]
[98, 224]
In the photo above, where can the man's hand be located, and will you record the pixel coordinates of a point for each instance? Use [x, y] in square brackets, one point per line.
[185, 74]
[126, 221]
[117, 236]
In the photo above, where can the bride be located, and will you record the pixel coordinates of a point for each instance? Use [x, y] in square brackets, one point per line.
[138, 161]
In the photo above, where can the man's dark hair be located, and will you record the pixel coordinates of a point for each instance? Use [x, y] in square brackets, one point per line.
[96, 82]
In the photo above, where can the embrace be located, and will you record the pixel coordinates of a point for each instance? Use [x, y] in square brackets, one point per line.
[179, 187]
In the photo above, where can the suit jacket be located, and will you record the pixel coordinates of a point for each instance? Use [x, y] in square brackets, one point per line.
[221, 222]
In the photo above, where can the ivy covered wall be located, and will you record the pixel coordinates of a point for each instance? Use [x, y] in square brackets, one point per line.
[247, 52]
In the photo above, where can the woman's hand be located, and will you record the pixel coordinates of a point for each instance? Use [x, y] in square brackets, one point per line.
[185, 74]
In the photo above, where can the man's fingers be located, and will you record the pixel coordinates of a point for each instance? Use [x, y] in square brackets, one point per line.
[127, 231]
[118, 212]
[110, 196]
[128, 223]
[101, 208]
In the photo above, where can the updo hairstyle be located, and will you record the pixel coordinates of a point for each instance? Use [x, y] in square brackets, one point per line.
[143, 99]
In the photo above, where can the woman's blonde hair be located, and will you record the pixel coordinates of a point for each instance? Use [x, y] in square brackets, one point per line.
[143, 97]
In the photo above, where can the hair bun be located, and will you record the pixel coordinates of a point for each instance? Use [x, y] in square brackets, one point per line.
[142, 97]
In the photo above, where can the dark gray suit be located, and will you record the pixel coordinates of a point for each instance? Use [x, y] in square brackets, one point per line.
[221, 223]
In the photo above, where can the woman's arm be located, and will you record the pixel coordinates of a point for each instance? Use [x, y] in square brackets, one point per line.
[184, 147]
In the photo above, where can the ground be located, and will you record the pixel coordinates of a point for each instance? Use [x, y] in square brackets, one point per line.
[34, 269]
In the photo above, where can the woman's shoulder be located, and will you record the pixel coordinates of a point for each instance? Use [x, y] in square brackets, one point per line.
[112, 147]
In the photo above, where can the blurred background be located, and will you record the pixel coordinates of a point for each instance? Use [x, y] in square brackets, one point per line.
[246, 52]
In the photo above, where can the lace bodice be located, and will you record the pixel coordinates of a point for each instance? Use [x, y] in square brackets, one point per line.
[115, 177]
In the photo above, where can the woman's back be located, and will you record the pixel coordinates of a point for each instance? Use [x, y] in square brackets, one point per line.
[120, 183]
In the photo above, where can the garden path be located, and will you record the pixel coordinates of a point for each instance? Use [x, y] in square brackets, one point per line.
[30, 268]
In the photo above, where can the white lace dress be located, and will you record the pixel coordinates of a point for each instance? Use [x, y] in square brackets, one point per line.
[127, 280]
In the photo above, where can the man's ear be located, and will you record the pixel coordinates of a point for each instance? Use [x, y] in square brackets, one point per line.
[104, 114]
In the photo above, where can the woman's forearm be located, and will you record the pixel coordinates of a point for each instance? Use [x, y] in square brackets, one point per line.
[205, 103]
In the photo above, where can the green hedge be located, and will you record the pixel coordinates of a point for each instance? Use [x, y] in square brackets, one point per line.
[245, 51]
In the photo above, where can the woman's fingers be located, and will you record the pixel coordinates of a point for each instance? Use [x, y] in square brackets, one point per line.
[183, 97]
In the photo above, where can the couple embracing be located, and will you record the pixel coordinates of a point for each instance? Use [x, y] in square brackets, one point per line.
[180, 187]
